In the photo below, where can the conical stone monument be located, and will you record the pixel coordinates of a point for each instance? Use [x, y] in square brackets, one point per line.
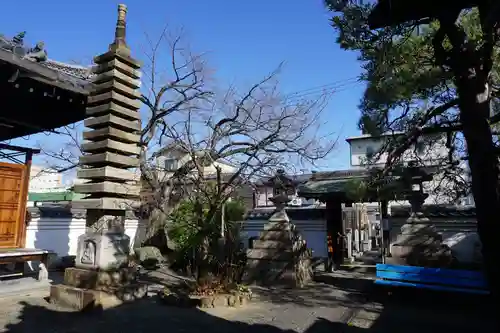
[418, 243]
[280, 255]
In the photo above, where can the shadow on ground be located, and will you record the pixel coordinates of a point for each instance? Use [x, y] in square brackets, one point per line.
[149, 316]
[141, 316]
[364, 309]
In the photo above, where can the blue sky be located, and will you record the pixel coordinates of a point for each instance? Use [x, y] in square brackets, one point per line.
[244, 39]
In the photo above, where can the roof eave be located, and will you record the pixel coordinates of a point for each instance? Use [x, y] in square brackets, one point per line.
[46, 75]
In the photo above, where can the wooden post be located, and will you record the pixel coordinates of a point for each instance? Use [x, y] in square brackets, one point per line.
[21, 240]
[385, 228]
[335, 234]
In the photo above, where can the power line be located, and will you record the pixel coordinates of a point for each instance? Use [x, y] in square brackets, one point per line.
[330, 85]
[335, 87]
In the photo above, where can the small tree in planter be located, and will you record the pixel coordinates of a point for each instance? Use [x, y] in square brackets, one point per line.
[214, 272]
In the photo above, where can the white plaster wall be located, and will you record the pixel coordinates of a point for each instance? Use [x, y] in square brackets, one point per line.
[313, 231]
[60, 235]
[460, 236]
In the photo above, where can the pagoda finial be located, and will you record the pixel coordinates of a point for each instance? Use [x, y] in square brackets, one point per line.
[120, 30]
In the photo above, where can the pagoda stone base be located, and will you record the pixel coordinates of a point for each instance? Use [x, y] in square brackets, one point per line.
[103, 276]
[278, 257]
[419, 244]
[103, 250]
[85, 289]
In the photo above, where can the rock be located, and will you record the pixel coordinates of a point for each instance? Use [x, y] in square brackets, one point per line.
[149, 256]
[220, 301]
[233, 300]
[243, 299]
[206, 302]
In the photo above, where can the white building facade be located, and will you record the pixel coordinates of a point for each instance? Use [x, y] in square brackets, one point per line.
[429, 150]
[44, 180]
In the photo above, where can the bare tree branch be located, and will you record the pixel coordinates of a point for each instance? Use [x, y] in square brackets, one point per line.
[222, 141]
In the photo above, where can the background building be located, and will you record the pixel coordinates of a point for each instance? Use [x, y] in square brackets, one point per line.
[44, 180]
[430, 150]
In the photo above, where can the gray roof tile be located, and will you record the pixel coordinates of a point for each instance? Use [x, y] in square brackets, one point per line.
[72, 74]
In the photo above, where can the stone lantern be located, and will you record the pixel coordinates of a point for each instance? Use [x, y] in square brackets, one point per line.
[414, 177]
[418, 243]
[281, 189]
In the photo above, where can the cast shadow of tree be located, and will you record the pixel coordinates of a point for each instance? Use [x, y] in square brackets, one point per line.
[411, 309]
[144, 316]
[149, 316]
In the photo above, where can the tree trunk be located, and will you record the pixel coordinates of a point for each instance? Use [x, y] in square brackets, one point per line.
[203, 269]
[483, 164]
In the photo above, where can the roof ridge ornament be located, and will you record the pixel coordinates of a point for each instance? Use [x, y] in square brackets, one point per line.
[120, 44]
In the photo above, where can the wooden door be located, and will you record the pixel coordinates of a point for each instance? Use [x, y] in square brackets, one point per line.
[12, 204]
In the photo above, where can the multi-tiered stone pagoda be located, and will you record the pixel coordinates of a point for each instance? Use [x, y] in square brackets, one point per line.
[111, 154]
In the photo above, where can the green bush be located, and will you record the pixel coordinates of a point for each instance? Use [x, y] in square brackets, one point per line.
[189, 231]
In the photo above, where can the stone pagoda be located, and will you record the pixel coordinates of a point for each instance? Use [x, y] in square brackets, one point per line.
[419, 244]
[280, 255]
[107, 168]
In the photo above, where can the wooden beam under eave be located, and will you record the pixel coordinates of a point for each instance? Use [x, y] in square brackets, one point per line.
[19, 149]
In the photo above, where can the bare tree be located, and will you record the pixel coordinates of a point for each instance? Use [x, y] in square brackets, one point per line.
[257, 131]
[63, 158]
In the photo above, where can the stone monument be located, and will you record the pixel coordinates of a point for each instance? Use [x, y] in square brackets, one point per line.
[102, 271]
[419, 244]
[279, 256]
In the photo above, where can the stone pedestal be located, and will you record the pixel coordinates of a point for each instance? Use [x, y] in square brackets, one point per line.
[279, 256]
[102, 276]
[102, 251]
[419, 244]
[85, 289]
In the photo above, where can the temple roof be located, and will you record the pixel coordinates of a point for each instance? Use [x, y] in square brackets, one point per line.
[331, 183]
[22, 56]
[319, 213]
[41, 94]
[295, 179]
[294, 213]
[337, 184]
[436, 211]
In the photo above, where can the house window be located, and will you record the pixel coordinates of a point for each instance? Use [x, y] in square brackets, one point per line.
[370, 152]
[171, 164]
[420, 147]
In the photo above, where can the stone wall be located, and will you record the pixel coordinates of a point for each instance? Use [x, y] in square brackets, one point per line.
[57, 229]
[310, 222]
[459, 233]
